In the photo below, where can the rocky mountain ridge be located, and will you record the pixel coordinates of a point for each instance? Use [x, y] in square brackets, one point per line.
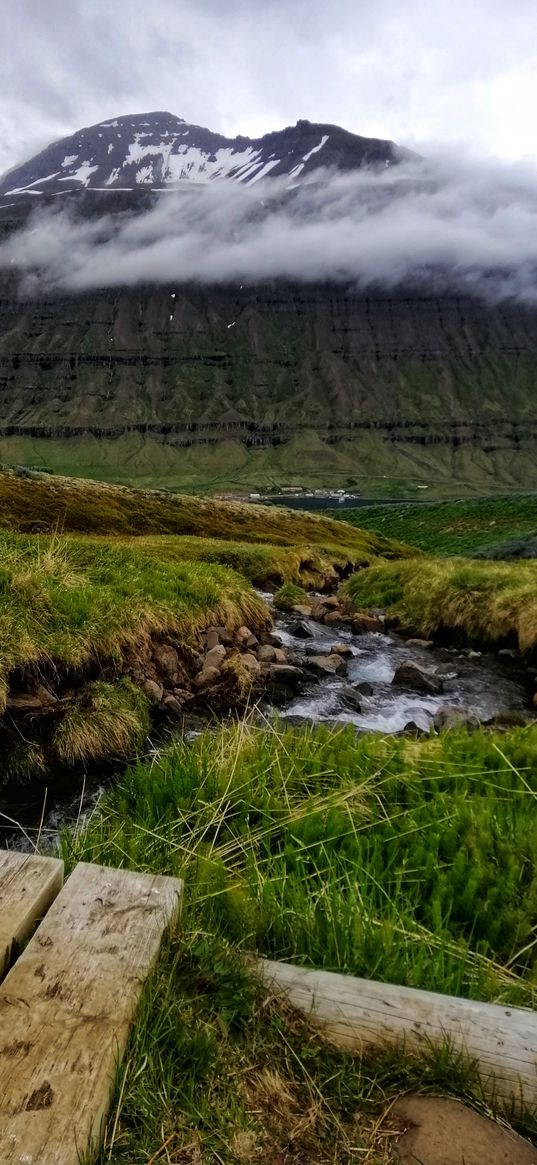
[161, 151]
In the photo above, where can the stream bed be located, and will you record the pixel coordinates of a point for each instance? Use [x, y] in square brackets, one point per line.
[483, 685]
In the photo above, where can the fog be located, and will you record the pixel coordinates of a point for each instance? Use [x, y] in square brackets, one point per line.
[450, 222]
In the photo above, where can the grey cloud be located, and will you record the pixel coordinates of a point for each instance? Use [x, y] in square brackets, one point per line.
[449, 71]
[472, 227]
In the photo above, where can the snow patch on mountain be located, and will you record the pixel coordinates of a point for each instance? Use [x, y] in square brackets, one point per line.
[161, 151]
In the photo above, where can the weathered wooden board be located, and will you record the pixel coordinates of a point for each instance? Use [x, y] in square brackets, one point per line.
[66, 1008]
[28, 886]
[354, 1014]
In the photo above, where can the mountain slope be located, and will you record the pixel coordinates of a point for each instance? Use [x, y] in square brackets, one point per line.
[249, 385]
[159, 150]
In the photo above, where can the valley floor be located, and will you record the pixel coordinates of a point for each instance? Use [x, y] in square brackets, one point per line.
[407, 859]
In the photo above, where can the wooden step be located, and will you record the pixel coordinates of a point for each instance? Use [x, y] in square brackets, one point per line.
[66, 1008]
[358, 1014]
[28, 886]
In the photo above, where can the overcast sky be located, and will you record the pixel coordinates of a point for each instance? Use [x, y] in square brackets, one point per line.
[423, 73]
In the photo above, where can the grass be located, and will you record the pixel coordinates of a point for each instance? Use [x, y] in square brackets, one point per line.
[48, 504]
[262, 563]
[484, 602]
[396, 859]
[216, 1072]
[405, 861]
[68, 603]
[105, 720]
[455, 527]
[289, 596]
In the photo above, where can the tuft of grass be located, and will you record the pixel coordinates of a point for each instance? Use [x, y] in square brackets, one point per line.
[487, 602]
[289, 596]
[105, 721]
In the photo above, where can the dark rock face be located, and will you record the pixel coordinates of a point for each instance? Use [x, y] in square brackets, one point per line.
[381, 379]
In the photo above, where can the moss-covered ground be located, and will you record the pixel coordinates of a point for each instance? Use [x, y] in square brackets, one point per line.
[454, 527]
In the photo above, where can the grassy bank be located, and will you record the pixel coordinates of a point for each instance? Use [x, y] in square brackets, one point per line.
[70, 602]
[459, 527]
[484, 602]
[79, 612]
[42, 503]
[405, 861]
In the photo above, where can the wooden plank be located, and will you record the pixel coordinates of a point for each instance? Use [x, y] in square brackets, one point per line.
[66, 1008]
[28, 886]
[355, 1014]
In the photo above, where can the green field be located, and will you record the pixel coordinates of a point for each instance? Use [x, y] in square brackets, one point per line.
[458, 527]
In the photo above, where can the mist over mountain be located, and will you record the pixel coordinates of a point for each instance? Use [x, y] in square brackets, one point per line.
[151, 199]
[181, 307]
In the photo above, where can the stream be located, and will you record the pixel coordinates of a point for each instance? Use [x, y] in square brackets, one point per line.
[480, 684]
[483, 685]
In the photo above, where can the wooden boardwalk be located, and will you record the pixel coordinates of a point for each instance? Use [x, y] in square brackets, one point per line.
[68, 1001]
[357, 1014]
[28, 886]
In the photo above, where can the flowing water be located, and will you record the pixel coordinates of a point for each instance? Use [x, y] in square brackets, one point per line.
[484, 685]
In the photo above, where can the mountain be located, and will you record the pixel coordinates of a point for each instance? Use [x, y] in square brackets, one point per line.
[265, 382]
[159, 151]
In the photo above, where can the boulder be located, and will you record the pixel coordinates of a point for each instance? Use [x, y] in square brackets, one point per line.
[274, 638]
[351, 698]
[330, 603]
[207, 677]
[224, 636]
[334, 618]
[425, 644]
[436, 1130]
[212, 638]
[302, 610]
[364, 623]
[300, 630]
[413, 676]
[251, 663]
[252, 643]
[166, 661]
[450, 716]
[342, 649]
[285, 673]
[266, 653]
[326, 665]
[215, 657]
[364, 687]
[153, 690]
[242, 635]
[173, 707]
[280, 655]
